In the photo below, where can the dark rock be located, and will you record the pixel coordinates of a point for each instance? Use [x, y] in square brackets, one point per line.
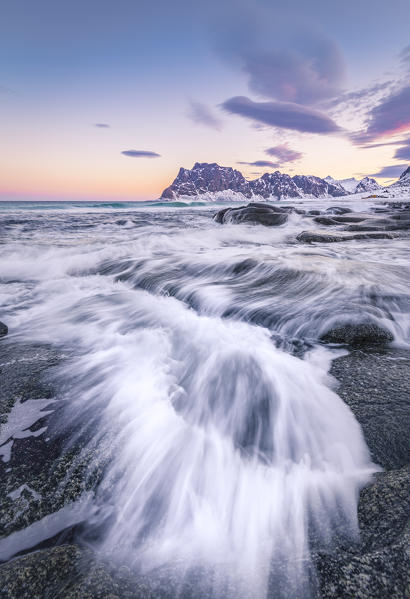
[325, 220]
[358, 335]
[268, 215]
[314, 212]
[3, 329]
[375, 386]
[338, 210]
[328, 237]
[381, 224]
[71, 572]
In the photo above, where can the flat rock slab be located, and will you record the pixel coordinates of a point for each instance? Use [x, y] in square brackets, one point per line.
[375, 386]
[336, 236]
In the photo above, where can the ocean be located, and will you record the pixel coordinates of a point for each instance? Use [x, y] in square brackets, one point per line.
[193, 382]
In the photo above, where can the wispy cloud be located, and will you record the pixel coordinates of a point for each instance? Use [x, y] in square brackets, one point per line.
[262, 163]
[390, 116]
[102, 125]
[284, 115]
[140, 154]
[201, 114]
[283, 153]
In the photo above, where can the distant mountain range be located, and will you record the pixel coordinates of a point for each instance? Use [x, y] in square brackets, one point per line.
[219, 182]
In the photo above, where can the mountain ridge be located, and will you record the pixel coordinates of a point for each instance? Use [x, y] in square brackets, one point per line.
[211, 178]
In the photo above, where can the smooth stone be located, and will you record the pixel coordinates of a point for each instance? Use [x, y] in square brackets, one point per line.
[3, 329]
[358, 334]
[328, 237]
[255, 213]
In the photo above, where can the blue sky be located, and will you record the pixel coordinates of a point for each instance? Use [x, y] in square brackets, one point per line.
[327, 84]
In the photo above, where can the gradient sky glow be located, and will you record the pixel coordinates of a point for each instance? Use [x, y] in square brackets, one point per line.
[91, 91]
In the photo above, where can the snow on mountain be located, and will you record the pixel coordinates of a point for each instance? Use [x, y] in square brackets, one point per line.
[367, 184]
[317, 187]
[277, 185]
[401, 187]
[348, 184]
[211, 180]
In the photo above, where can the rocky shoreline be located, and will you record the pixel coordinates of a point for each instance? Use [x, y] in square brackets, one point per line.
[372, 381]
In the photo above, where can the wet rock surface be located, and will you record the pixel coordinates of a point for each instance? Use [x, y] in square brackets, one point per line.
[375, 386]
[3, 329]
[364, 334]
[336, 236]
[257, 213]
[39, 474]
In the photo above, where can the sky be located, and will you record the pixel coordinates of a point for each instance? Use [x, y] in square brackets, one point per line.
[107, 100]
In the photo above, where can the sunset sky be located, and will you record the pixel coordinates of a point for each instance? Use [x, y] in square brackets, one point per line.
[104, 99]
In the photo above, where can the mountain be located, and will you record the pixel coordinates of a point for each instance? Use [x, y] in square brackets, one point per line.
[275, 184]
[317, 187]
[225, 182]
[367, 184]
[405, 176]
[348, 185]
[203, 178]
[399, 187]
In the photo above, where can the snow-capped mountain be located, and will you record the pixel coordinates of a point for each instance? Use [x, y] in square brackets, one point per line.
[215, 181]
[348, 185]
[401, 187]
[317, 187]
[203, 178]
[275, 184]
[367, 184]
[225, 183]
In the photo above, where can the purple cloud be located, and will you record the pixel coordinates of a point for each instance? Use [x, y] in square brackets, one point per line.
[102, 125]
[283, 153]
[285, 115]
[389, 172]
[265, 163]
[403, 153]
[390, 116]
[140, 154]
[309, 72]
[199, 113]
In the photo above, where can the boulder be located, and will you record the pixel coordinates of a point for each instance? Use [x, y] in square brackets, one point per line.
[3, 329]
[255, 213]
[358, 334]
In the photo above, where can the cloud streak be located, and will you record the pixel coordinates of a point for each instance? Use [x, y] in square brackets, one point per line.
[285, 115]
[140, 154]
[391, 116]
[199, 113]
[102, 125]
